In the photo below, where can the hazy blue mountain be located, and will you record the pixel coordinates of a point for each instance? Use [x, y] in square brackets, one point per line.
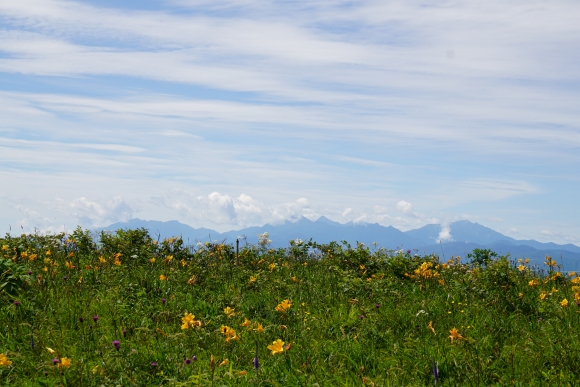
[461, 231]
[324, 230]
[468, 232]
[569, 260]
[164, 229]
[466, 236]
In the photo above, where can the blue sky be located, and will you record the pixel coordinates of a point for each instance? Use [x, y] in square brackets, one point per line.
[237, 113]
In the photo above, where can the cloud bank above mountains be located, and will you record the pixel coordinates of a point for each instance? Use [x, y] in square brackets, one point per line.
[235, 113]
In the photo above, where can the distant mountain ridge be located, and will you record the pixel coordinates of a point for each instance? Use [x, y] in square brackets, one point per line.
[464, 236]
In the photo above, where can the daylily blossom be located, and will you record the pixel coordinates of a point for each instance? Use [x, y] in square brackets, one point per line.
[189, 321]
[284, 306]
[455, 334]
[229, 311]
[65, 362]
[4, 362]
[430, 326]
[276, 347]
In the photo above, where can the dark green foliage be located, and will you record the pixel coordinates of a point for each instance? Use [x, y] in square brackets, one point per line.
[481, 257]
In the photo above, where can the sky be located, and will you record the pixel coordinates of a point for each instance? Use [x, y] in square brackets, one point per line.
[228, 114]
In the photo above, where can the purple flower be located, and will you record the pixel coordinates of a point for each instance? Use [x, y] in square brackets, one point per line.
[45, 373]
[194, 358]
[29, 272]
[64, 277]
[361, 316]
[16, 302]
[81, 319]
[377, 306]
[32, 342]
[408, 251]
[124, 333]
[435, 371]
[56, 360]
[256, 363]
[95, 318]
[116, 344]
[163, 300]
[153, 364]
[187, 361]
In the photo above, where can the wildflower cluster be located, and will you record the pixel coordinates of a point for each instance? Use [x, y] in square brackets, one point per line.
[123, 307]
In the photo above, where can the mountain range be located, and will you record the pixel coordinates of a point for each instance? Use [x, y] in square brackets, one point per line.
[462, 237]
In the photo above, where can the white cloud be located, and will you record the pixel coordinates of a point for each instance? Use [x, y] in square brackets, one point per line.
[348, 104]
[444, 234]
[90, 213]
[223, 211]
[407, 209]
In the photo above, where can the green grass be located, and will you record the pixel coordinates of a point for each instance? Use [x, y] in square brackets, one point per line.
[359, 316]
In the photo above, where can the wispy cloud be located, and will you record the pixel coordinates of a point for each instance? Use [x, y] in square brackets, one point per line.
[454, 106]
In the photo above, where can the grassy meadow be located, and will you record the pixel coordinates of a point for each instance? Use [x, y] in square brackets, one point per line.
[125, 309]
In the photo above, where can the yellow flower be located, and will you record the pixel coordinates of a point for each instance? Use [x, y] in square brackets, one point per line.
[162, 278]
[102, 260]
[168, 259]
[533, 282]
[521, 268]
[4, 247]
[189, 321]
[117, 261]
[575, 280]
[48, 252]
[65, 362]
[4, 362]
[455, 335]
[272, 266]
[45, 268]
[543, 295]
[520, 296]
[430, 326]
[564, 302]
[441, 282]
[276, 347]
[554, 290]
[229, 333]
[225, 362]
[229, 311]
[50, 350]
[192, 280]
[284, 306]
[259, 328]
[242, 373]
[252, 280]
[246, 323]
[294, 279]
[69, 265]
[152, 260]
[577, 297]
